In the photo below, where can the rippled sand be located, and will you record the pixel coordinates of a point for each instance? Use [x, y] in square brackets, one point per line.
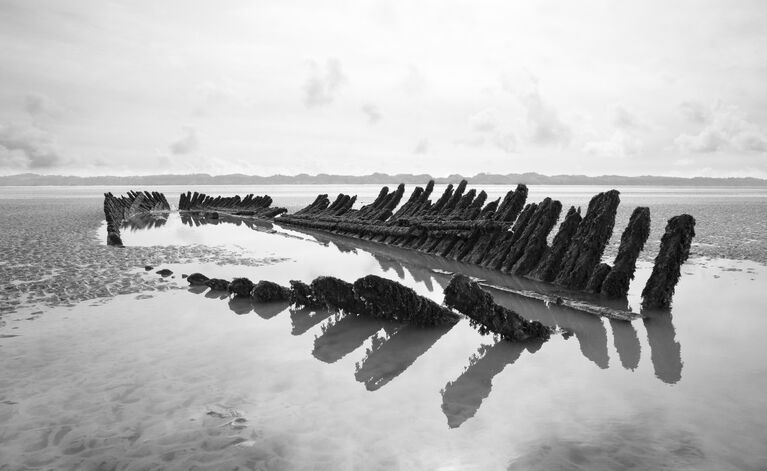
[182, 380]
[50, 254]
[129, 370]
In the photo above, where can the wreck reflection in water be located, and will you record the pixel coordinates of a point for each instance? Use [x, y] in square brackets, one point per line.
[394, 347]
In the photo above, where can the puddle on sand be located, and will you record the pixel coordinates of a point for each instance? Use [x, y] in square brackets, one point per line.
[191, 378]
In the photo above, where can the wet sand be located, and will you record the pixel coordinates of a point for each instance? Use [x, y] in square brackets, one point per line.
[183, 380]
[157, 376]
[52, 254]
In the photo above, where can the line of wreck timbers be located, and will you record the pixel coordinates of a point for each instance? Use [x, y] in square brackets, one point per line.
[507, 234]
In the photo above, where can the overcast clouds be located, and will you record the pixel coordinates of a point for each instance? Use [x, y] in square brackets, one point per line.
[594, 87]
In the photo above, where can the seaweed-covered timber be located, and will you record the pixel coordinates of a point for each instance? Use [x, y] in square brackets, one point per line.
[551, 261]
[674, 250]
[118, 209]
[301, 295]
[616, 282]
[250, 205]
[589, 241]
[467, 297]
[269, 292]
[369, 296]
[387, 299]
[136, 205]
[504, 234]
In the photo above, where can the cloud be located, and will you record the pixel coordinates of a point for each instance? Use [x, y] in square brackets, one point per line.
[623, 140]
[323, 84]
[624, 119]
[414, 82]
[27, 146]
[422, 147]
[372, 113]
[620, 144]
[208, 96]
[506, 141]
[545, 127]
[484, 121]
[186, 144]
[727, 128]
[694, 112]
[38, 105]
[488, 128]
[474, 141]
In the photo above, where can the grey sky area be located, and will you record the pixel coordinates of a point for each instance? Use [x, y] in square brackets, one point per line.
[587, 87]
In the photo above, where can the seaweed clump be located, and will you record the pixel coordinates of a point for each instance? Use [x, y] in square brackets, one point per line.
[466, 296]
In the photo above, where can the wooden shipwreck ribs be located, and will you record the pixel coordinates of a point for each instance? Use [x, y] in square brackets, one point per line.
[511, 236]
[250, 205]
[380, 298]
[505, 234]
[118, 209]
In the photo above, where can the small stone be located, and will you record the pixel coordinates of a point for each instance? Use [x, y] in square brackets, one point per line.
[267, 292]
[241, 286]
[197, 279]
[164, 272]
[217, 284]
[148, 267]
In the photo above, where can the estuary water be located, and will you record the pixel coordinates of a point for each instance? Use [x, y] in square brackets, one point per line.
[107, 365]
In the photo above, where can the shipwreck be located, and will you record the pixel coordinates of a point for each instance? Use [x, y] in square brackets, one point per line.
[509, 235]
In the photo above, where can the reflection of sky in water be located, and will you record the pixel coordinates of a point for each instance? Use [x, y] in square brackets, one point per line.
[162, 380]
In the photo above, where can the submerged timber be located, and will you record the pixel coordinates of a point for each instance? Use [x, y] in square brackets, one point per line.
[508, 234]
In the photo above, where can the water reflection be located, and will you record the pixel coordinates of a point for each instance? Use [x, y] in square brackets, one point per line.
[665, 351]
[343, 334]
[269, 310]
[395, 347]
[241, 305]
[626, 343]
[388, 357]
[304, 319]
[588, 329]
[217, 294]
[143, 221]
[387, 264]
[461, 398]
[196, 219]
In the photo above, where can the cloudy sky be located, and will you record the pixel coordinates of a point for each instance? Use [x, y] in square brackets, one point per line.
[263, 87]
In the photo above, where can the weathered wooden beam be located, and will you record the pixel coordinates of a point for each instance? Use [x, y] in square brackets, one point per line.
[674, 251]
[589, 242]
[551, 262]
[616, 282]
[467, 297]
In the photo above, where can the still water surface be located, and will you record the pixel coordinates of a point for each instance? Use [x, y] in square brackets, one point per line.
[182, 379]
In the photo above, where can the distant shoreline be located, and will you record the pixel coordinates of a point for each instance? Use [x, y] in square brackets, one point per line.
[29, 179]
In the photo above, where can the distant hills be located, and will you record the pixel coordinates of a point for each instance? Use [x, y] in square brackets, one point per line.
[31, 179]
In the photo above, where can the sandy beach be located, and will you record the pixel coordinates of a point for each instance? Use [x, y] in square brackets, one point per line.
[111, 366]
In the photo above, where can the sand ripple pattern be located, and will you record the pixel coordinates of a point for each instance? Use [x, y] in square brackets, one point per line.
[50, 255]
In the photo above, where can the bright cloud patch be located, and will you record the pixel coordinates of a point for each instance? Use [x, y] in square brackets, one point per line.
[372, 113]
[26, 146]
[323, 83]
[726, 128]
[545, 127]
[186, 144]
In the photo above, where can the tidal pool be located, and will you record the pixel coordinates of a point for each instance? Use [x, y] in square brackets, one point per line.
[178, 378]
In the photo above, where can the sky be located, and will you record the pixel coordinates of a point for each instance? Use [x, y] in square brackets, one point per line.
[95, 87]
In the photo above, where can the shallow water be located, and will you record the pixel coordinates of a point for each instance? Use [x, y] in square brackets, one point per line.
[731, 221]
[180, 379]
